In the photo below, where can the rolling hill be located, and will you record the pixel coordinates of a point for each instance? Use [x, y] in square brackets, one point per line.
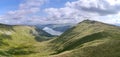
[87, 39]
[17, 39]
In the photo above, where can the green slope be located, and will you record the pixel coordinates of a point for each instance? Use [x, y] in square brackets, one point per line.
[20, 40]
[89, 39]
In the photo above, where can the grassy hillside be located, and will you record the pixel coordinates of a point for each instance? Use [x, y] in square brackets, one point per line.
[20, 40]
[87, 39]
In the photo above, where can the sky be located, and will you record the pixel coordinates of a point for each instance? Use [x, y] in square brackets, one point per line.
[32, 12]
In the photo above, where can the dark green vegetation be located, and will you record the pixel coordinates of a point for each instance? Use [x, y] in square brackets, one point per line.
[87, 39]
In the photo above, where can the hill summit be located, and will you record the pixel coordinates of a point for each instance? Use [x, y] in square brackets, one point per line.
[89, 39]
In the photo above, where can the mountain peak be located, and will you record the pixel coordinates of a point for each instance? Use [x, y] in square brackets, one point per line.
[88, 32]
[89, 21]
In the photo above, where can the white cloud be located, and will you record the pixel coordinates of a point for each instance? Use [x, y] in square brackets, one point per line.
[113, 2]
[29, 7]
[107, 11]
[64, 15]
[101, 10]
[24, 13]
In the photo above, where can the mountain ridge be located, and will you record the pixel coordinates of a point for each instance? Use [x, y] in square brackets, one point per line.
[85, 32]
[89, 38]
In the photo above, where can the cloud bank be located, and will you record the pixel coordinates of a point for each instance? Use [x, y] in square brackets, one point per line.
[26, 11]
[107, 11]
[101, 10]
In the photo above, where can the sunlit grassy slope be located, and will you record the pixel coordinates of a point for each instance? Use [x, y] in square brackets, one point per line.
[20, 40]
[87, 39]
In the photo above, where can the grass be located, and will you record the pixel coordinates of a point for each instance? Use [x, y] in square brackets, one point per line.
[19, 41]
[87, 39]
[75, 39]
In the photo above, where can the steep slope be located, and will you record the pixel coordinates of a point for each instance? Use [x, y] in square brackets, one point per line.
[88, 39]
[19, 40]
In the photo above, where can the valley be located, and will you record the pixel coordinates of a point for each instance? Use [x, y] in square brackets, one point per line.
[87, 39]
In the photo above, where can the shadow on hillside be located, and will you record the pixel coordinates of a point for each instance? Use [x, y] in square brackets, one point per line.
[40, 38]
[40, 35]
[3, 37]
[80, 41]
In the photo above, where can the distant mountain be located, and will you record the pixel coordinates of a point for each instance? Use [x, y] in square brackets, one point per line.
[117, 24]
[57, 27]
[51, 31]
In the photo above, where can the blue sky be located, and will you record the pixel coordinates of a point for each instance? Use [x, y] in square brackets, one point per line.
[8, 5]
[58, 11]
